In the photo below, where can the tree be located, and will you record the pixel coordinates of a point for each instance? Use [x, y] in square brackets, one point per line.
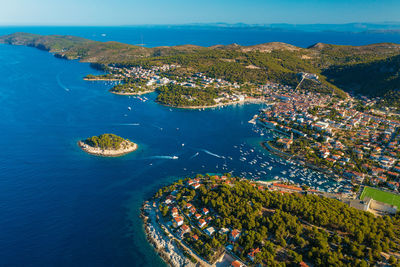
[165, 211]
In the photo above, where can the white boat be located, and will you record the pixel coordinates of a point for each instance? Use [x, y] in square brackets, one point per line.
[129, 108]
[175, 157]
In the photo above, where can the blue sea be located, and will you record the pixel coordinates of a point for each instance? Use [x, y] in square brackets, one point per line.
[62, 207]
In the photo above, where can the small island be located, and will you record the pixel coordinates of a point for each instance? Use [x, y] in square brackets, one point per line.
[107, 145]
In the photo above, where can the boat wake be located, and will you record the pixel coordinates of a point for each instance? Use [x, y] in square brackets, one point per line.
[164, 157]
[130, 124]
[160, 128]
[195, 155]
[212, 154]
[60, 83]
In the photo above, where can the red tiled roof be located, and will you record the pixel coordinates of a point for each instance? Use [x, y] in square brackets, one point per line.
[288, 187]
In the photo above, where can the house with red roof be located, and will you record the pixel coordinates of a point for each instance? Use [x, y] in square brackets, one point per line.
[177, 221]
[205, 211]
[234, 235]
[202, 223]
[237, 264]
[184, 229]
[196, 185]
[253, 253]
[193, 211]
[174, 212]
[393, 185]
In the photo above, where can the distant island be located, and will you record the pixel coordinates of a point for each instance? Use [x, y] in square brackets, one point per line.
[231, 221]
[107, 145]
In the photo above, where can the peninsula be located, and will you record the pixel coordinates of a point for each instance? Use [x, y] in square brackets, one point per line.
[133, 86]
[230, 72]
[213, 219]
[107, 145]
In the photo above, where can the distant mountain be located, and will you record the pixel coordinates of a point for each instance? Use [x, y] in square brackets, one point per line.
[346, 27]
[370, 69]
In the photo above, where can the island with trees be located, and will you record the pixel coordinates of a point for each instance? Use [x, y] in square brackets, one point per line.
[209, 217]
[107, 145]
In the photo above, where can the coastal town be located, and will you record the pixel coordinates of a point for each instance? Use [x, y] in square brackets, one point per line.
[334, 135]
[200, 134]
[139, 80]
[191, 218]
[345, 137]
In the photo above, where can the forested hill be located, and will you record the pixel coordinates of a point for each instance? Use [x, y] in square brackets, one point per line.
[371, 69]
[376, 78]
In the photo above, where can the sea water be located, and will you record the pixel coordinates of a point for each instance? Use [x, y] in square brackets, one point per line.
[62, 207]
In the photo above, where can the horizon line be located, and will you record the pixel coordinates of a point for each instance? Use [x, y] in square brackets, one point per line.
[199, 24]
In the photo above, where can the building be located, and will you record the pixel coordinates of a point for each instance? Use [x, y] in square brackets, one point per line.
[174, 212]
[234, 235]
[253, 253]
[205, 211]
[177, 221]
[192, 211]
[237, 264]
[196, 185]
[202, 223]
[184, 229]
[223, 231]
[285, 142]
[209, 231]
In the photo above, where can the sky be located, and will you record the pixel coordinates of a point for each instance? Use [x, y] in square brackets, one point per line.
[137, 12]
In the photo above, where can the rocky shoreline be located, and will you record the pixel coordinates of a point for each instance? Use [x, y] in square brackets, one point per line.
[162, 241]
[127, 147]
[132, 93]
[102, 79]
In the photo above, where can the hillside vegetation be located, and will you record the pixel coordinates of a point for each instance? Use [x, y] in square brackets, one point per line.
[371, 69]
[105, 141]
[287, 228]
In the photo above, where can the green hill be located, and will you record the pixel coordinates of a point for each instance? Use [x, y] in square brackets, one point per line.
[105, 141]
[376, 78]
[371, 69]
[286, 228]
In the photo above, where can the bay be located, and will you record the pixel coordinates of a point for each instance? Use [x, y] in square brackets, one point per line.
[62, 207]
